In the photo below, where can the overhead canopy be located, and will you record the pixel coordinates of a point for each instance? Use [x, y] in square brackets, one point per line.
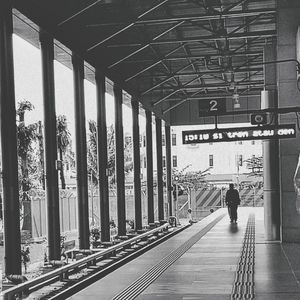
[170, 54]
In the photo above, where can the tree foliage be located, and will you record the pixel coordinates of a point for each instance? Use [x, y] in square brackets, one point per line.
[255, 165]
[190, 179]
[26, 135]
[92, 151]
[63, 141]
[128, 155]
[63, 133]
[111, 156]
[27, 163]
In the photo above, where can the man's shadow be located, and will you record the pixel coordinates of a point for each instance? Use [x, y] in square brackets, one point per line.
[233, 228]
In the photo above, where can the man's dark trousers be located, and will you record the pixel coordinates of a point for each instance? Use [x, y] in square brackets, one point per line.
[232, 210]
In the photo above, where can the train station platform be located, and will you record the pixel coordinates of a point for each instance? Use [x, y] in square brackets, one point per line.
[211, 260]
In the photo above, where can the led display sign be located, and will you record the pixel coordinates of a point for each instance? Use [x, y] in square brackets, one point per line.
[239, 134]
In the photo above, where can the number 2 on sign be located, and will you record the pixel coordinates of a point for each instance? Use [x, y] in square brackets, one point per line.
[213, 105]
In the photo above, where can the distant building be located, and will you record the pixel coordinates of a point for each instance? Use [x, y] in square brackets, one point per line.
[226, 160]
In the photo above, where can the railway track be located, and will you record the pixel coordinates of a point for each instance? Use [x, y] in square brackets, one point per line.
[65, 281]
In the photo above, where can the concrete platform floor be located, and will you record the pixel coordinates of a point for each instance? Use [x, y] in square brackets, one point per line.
[208, 268]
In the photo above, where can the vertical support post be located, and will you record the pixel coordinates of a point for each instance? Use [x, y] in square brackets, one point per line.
[149, 154]
[136, 164]
[221, 198]
[81, 153]
[271, 181]
[52, 194]
[176, 202]
[102, 157]
[12, 239]
[169, 168]
[190, 202]
[160, 187]
[271, 152]
[120, 177]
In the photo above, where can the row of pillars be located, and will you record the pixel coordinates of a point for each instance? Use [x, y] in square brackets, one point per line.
[9, 152]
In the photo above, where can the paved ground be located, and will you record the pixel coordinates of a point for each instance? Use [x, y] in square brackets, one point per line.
[208, 267]
[207, 271]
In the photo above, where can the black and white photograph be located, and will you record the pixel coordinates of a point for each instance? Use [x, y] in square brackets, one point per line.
[149, 149]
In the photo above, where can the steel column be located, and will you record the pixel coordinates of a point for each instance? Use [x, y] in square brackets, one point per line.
[136, 164]
[149, 154]
[120, 176]
[271, 154]
[169, 167]
[81, 153]
[52, 193]
[12, 239]
[102, 157]
[271, 181]
[160, 187]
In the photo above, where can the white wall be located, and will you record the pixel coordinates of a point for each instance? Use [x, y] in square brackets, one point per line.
[224, 154]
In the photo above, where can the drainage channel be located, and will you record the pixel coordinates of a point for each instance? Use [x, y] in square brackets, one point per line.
[139, 285]
[243, 286]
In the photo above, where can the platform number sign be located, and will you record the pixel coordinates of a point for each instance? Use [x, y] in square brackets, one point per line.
[209, 107]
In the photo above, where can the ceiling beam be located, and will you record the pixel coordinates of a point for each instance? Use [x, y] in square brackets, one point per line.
[77, 14]
[180, 102]
[242, 26]
[199, 56]
[196, 17]
[254, 34]
[256, 70]
[154, 63]
[176, 90]
[266, 19]
[161, 60]
[234, 5]
[145, 46]
[215, 96]
[209, 72]
[211, 86]
[127, 26]
[252, 59]
[167, 78]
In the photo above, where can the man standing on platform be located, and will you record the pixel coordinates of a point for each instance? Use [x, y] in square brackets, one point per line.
[232, 200]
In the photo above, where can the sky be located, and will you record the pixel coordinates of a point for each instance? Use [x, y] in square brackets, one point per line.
[28, 86]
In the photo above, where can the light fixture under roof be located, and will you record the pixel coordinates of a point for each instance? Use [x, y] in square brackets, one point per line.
[236, 98]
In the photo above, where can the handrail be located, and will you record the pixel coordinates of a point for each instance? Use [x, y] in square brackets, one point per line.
[10, 293]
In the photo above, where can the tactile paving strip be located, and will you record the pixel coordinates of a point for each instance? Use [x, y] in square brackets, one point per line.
[243, 286]
[139, 285]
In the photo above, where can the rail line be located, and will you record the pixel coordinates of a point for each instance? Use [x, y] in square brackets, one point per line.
[69, 279]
